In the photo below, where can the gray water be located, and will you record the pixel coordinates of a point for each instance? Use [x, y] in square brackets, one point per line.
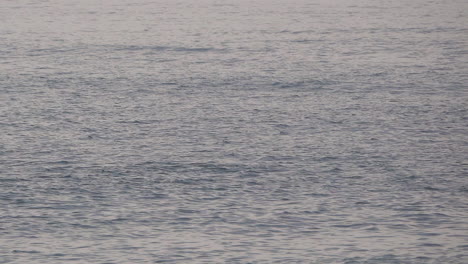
[233, 131]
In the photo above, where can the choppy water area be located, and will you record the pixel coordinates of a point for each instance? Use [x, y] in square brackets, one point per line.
[222, 131]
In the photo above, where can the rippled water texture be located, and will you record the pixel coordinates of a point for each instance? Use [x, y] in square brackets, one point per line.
[223, 131]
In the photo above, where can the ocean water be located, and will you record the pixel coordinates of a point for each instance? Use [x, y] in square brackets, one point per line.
[233, 131]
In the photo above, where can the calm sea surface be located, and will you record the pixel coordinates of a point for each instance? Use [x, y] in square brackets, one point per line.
[233, 131]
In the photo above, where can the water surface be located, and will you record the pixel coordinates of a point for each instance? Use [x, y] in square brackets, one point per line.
[230, 131]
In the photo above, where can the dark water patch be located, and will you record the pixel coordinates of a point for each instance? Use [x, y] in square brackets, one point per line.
[429, 234]
[13, 180]
[17, 251]
[398, 226]
[353, 226]
[166, 48]
[430, 245]
[83, 226]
